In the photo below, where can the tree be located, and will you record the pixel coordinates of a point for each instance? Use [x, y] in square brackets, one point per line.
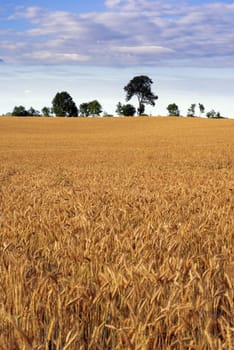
[219, 116]
[64, 106]
[95, 108]
[201, 108]
[84, 109]
[20, 111]
[213, 114]
[126, 110]
[191, 110]
[173, 110]
[129, 110]
[119, 109]
[141, 109]
[33, 113]
[140, 86]
[46, 111]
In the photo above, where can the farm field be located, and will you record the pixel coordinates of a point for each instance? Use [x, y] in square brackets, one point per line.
[116, 233]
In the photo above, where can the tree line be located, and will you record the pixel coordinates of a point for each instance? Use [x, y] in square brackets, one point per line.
[173, 110]
[62, 106]
[139, 87]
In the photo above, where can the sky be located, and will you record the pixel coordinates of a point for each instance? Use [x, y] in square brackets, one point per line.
[93, 48]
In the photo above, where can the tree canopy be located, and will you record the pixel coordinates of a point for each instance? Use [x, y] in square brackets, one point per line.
[173, 110]
[140, 86]
[21, 111]
[214, 114]
[64, 106]
[84, 109]
[125, 110]
[201, 108]
[46, 111]
[93, 108]
[191, 110]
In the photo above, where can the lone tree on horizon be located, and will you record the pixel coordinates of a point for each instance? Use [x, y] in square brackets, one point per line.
[140, 86]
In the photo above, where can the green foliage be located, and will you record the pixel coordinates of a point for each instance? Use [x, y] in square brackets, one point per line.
[125, 110]
[201, 108]
[93, 108]
[191, 110]
[213, 114]
[20, 111]
[173, 110]
[64, 106]
[84, 109]
[119, 109]
[46, 111]
[33, 112]
[141, 109]
[140, 87]
[129, 110]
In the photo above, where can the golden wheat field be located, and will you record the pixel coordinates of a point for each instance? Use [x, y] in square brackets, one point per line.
[116, 233]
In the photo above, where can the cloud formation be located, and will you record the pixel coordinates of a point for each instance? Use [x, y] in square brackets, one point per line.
[128, 32]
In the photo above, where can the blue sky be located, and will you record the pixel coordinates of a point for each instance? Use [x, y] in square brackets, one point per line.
[93, 48]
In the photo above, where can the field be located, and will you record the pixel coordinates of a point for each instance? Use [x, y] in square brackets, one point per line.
[116, 233]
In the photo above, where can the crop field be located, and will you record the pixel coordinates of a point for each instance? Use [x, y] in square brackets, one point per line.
[116, 233]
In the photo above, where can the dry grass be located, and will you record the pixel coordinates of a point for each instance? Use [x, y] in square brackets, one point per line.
[116, 234]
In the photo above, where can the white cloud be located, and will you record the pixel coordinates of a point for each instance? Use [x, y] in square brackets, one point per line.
[47, 57]
[127, 32]
[31, 13]
[143, 50]
[113, 3]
